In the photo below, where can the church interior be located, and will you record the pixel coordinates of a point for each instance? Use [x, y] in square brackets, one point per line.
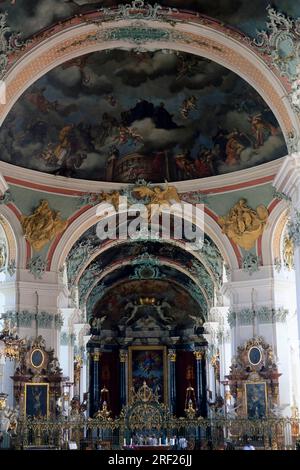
[149, 224]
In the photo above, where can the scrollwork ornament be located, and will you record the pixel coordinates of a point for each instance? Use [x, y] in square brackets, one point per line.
[281, 42]
[9, 43]
[37, 266]
[250, 263]
[293, 228]
[7, 197]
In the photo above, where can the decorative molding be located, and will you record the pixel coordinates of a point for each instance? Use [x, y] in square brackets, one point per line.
[9, 43]
[137, 10]
[67, 339]
[58, 321]
[281, 42]
[6, 197]
[231, 318]
[277, 265]
[25, 318]
[78, 256]
[64, 338]
[44, 319]
[95, 295]
[37, 266]
[281, 196]
[246, 316]
[250, 263]
[90, 189]
[87, 279]
[293, 142]
[293, 228]
[11, 267]
[198, 270]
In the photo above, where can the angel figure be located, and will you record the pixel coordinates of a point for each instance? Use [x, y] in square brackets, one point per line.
[134, 305]
[98, 322]
[188, 105]
[158, 197]
[160, 306]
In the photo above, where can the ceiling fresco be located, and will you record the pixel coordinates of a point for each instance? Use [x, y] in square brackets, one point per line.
[122, 116]
[31, 16]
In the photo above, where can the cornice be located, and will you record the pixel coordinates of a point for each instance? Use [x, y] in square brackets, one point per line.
[43, 182]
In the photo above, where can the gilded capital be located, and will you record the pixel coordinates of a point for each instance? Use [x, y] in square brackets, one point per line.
[96, 356]
[172, 356]
[244, 225]
[42, 226]
[198, 355]
[123, 356]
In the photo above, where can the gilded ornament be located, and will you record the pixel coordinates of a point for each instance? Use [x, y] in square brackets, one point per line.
[42, 226]
[244, 225]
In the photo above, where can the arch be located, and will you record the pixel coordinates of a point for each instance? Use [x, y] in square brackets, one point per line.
[17, 244]
[89, 218]
[111, 269]
[270, 242]
[113, 243]
[183, 35]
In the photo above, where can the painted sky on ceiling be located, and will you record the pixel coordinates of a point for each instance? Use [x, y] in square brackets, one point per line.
[30, 16]
[122, 116]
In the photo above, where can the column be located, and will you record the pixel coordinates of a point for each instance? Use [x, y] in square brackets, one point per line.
[287, 182]
[199, 392]
[203, 409]
[172, 381]
[96, 382]
[123, 377]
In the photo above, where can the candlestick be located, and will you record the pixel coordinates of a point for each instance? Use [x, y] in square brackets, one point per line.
[159, 441]
[124, 441]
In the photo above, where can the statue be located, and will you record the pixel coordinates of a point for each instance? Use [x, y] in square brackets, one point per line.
[244, 225]
[2, 256]
[157, 196]
[42, 226]
[288, 253]
[97, 323]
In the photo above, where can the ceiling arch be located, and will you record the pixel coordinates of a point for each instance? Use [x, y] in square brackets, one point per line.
[200, 283]
[183, 35]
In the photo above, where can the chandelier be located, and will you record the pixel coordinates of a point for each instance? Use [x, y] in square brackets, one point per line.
[12, 344]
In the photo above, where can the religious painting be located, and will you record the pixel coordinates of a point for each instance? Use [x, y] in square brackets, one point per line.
[37, 399]
[162, 115]
[256, 399]
[148, 364]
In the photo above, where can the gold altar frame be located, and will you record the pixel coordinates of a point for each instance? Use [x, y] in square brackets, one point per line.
[165, 368]
[36, 384]
[246, 394]
[43, 356]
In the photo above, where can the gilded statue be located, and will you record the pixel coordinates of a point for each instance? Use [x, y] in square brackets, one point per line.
[244, 225]
[42, 226]
[288, 253]
[157, 196]
[111, 198]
